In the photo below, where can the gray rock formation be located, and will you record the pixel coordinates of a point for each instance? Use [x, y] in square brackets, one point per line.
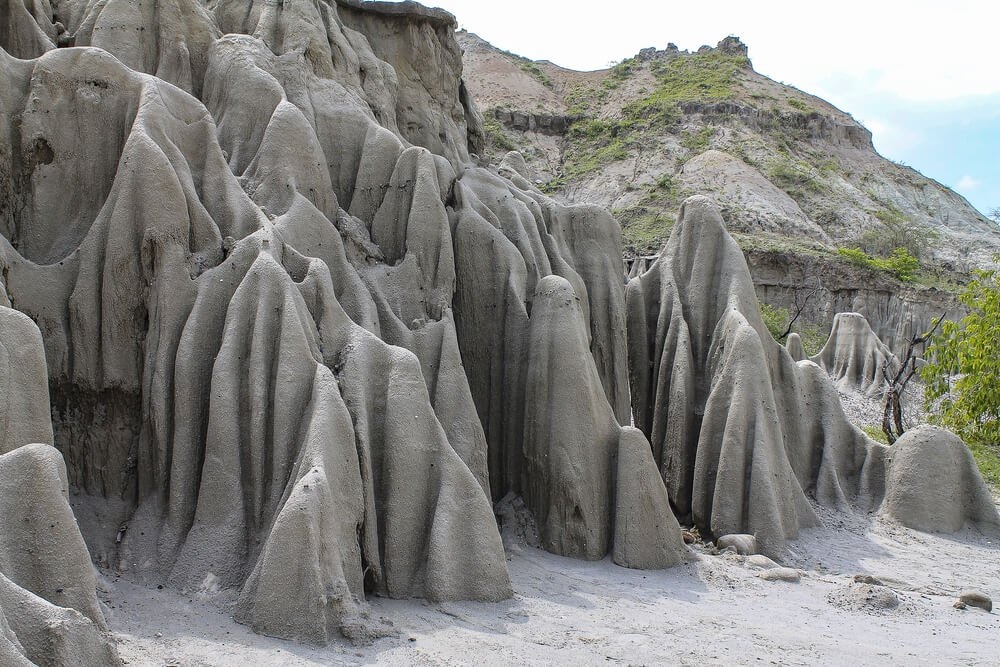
[647, 536]
[287, 318]
[49, 612]
[740, 432]
[895, 311]
[854, 356]
[794, 346]
[957, 498]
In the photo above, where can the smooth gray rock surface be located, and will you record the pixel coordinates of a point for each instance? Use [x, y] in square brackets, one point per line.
[933, 484]
[854, 355]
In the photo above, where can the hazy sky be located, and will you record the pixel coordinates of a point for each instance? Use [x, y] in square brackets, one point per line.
[923, 76]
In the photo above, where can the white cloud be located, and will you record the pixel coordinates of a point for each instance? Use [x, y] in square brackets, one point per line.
[967, 183]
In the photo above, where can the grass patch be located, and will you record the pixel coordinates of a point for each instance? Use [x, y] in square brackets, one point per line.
[897, 231]
[988, 459]
[795, 179]
[594, 143]
[624, 69]
[698, 142]
[776, 319]
[796, 103]
[900, 264]
[531, 67]
[534, 70]
[700, 77]
[645, 229]
[874, 432]
[646, 225]
[496, 137]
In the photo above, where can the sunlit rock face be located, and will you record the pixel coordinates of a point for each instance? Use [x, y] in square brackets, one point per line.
[286, 316]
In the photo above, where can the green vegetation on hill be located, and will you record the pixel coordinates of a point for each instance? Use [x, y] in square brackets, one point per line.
[900, 264]
[531, 67]
[593, 143]
[496, 137]
[596, 142]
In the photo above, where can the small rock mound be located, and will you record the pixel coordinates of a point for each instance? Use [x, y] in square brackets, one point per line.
[972, 598]
[745, 545]
[959, 496]
[780, 574]
[868, 598]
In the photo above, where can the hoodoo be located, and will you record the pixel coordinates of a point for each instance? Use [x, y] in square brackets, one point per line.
[288, 335]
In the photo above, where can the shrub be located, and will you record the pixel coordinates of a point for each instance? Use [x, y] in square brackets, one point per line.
[496, 137]
[775, 319]
[963, 364]
[900, 263]
[897, 231]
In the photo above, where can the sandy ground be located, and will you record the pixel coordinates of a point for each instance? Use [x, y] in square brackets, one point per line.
[715, 611]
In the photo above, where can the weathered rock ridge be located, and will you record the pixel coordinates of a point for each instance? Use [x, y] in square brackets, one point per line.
[285, 316]
[49, 613]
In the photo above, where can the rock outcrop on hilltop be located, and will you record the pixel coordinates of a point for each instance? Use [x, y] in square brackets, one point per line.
[288, 317]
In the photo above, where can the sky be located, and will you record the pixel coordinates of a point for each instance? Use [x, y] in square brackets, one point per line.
[923, 76]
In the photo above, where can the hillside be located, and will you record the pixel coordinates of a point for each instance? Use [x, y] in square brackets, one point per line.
[641, 136]
[796, 178]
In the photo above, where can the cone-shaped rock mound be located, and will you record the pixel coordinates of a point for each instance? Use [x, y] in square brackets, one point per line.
[854, 355]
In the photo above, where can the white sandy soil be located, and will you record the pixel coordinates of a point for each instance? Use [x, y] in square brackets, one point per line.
[716, 611]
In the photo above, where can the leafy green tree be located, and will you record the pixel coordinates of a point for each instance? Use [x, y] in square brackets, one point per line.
[963, 364]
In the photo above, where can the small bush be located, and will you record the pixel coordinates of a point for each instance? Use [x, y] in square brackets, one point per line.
[794, 179]
[624, 69]
[897, 231]
[813, 337]
[496, 137]
[900, 264]
[856, 257]
[534, 70]
[962, 368]
[796, 103]
[875, 433]
[775, 319]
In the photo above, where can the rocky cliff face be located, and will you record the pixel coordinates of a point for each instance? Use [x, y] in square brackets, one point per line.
[286, 318]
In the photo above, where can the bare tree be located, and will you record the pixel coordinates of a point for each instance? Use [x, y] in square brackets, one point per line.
[895, 386]
[800, 301]
[995, 214]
